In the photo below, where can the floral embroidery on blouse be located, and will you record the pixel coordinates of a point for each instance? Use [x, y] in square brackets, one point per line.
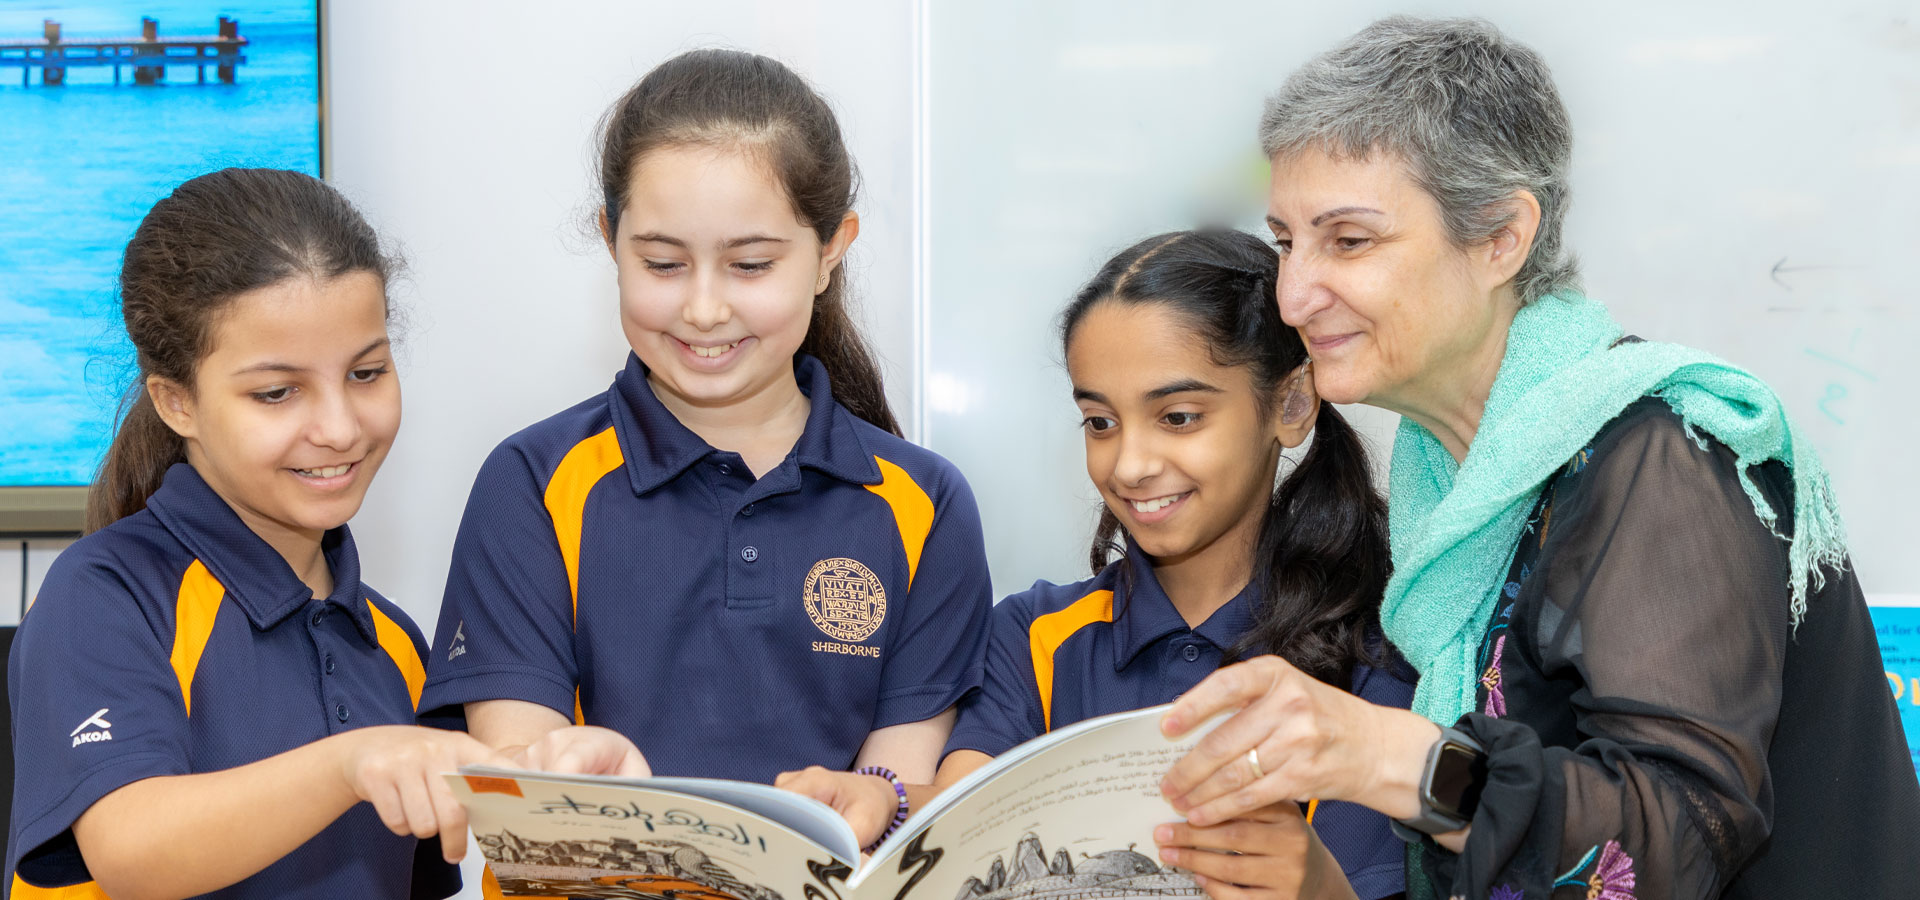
[1496, 702]
[1496, 698]
[1506, 892]
[1579, 461]
[1612, 875]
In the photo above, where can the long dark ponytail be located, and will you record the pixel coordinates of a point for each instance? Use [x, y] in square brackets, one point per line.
[727, 98]
[214, 238]
[1321, 559]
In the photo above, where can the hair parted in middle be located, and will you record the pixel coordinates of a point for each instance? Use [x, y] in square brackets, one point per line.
[1321, 559]
[214, 238]
[1473, 113]
[741, 101]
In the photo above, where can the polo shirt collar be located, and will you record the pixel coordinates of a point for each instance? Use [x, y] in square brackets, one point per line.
[1149, 614]
[658, 448]
[256, 578]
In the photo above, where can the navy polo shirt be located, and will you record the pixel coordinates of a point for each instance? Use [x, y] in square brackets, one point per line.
[1058, 655]
[616, 568]
[176, 641]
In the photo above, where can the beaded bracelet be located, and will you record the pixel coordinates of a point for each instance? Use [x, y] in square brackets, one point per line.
[899, 812]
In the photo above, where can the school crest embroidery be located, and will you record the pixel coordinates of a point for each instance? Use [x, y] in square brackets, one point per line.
[844, 599]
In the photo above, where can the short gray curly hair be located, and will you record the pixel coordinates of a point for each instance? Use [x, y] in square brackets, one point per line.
[1474, 114]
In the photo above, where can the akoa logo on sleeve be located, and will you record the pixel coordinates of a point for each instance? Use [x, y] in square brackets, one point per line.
[98, 720]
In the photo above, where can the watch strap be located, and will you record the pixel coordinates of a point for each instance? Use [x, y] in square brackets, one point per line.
[1431, 820]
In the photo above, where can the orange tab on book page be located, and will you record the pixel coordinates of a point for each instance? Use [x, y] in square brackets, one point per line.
[481, 784]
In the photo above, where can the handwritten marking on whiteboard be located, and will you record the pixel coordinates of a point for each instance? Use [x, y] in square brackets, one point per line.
[1824, 357]
[1781, 268]
[1835, 390]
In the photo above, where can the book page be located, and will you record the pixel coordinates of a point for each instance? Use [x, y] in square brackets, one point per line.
[814, 820]
[1067, 821]
[563, 836]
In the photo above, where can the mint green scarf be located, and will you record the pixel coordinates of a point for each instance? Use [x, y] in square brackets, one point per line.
[1454, 526]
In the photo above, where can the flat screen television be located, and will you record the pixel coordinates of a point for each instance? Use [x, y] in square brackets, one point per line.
[107, 106]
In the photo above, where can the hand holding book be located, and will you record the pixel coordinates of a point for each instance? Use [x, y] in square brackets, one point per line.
[867, 802]
[1064, 816]
[1271, 853]
[1317, 741]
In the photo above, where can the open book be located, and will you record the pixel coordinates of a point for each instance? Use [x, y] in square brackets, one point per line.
[1066, 816]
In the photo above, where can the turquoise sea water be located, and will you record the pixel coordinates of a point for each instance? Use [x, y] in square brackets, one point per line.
[79, 166]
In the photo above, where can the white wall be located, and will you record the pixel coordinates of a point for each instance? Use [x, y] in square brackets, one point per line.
[1711, 141]
[478, 164]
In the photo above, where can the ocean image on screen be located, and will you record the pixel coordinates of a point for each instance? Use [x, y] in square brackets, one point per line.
[94, 128]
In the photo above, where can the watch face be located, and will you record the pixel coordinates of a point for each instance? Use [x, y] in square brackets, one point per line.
[1458, 773]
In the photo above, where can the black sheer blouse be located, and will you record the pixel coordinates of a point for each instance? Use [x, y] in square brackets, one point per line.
[1655, 726]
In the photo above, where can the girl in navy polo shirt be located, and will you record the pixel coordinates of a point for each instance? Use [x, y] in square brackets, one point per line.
[729, 563]
[1189, 387]
[204, 692]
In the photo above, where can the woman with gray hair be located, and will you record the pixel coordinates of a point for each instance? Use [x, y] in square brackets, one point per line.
[1646, 667]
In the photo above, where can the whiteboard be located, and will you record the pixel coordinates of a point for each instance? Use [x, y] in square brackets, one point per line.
[1745, 181]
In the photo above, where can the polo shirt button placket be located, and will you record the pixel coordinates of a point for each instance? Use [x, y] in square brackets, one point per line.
[340, 712]
[754, 565]
[1190, 653]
